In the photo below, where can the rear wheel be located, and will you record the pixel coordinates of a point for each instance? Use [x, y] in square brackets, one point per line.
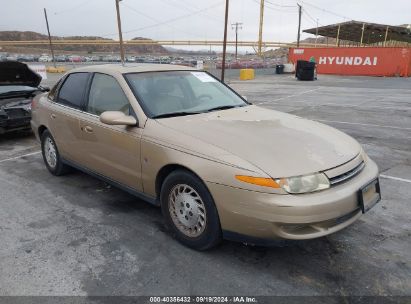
[51, 155]
[189, 211]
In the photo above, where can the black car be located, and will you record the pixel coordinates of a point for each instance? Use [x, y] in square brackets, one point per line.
[18, 86]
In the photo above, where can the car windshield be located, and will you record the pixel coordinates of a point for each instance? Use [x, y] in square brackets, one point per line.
[176, 93]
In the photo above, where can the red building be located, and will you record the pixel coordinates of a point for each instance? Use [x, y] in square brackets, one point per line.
[358, 48]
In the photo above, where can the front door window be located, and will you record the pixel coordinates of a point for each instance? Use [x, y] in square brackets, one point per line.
[106, 95]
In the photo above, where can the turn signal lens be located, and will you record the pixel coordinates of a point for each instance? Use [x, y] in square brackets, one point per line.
[33, 103]
[259, 181]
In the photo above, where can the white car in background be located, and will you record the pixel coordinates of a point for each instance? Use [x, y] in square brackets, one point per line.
[44, 58]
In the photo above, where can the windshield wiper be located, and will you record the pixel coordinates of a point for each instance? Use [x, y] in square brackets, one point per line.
[184, 113]
[223, 108]
[174, 114]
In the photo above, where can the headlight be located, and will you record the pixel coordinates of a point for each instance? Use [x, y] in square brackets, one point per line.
[304, 183]
[27, 107]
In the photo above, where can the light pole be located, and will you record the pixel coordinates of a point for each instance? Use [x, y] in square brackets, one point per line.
[260, 29]
[299, 24]
[225, 40]
[236, 26]
[120, 34]
[48, 32]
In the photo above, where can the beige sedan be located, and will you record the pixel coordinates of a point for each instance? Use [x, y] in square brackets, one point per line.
[218, 166]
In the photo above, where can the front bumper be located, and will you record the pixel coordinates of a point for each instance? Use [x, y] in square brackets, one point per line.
[304, 216]
[14, 124]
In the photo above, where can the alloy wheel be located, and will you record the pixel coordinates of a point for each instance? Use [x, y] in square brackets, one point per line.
[187, 210]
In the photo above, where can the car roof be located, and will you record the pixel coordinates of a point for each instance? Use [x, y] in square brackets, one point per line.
[132, 68]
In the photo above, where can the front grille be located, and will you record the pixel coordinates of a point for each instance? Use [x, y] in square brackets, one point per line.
[13, 113]
[347, 175]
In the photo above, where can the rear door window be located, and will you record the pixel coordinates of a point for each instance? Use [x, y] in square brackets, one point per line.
[72, 91]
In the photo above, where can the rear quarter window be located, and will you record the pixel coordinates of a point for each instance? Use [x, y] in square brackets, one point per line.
[72, 90]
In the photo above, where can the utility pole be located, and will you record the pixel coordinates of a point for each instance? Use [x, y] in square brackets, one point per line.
[237, 26]
[260, 30]
[225, 40]
[48, 32]
[362, 33]
[120, 34]
[316, 34]
[299, 24]
[338, 35]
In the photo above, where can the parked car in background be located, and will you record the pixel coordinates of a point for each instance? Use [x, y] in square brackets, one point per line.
[29, 58]
[18, 86]
[75, 58]
[11, 58]
[61, 58]
[25, 58]
[95, 58]
[131, 59]
[139, 59]
[44, 58]
[218, 166]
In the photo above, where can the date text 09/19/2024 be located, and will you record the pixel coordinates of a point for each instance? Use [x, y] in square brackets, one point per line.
[203, 299]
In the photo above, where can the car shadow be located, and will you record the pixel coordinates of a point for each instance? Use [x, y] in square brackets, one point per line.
[118, 203]
[16, 135]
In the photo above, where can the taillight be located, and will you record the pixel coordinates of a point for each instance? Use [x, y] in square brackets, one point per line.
[33, 103]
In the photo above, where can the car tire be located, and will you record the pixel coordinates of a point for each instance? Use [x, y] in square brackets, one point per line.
[189, 211]
[51, 155]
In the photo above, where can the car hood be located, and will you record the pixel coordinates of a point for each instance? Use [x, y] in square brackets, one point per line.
[279, 144]
[17, 73]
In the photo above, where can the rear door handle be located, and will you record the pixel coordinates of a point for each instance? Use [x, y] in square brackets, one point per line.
[88, 129]
[53, 116]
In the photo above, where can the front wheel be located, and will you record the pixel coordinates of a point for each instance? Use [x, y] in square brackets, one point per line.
[51, 155]
[189, 211]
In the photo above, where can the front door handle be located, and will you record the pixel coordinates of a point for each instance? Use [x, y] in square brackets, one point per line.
[88, 129]
[53, 116]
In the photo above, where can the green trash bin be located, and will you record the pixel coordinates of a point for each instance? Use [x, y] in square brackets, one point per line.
[279, 69]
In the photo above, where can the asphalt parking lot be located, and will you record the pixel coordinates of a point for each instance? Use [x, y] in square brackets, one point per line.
[75, 235]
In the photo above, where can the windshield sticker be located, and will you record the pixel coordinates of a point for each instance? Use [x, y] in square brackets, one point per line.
[203, 77]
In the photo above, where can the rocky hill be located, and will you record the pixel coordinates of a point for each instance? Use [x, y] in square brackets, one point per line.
[83, 48]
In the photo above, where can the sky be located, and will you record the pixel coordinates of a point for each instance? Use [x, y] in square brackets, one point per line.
[193, 19]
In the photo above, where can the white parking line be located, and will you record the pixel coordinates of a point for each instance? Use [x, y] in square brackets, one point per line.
[361, 105]
[289, 96]
[20, 156]
[363, 124]
[395, 178]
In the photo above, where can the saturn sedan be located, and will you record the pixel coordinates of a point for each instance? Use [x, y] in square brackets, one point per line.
[218, 166]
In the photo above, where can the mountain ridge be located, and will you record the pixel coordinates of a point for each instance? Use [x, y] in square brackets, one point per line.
[30, 35]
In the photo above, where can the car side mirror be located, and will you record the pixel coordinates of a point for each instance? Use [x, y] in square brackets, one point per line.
[117, 118]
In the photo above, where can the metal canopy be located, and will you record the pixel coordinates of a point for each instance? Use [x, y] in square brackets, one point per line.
[373, 32]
